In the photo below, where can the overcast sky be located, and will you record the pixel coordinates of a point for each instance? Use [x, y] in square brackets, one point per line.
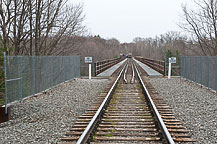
[127, 19]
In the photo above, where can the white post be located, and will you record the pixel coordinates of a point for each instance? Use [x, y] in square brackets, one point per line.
[89, 71]
[169, 71]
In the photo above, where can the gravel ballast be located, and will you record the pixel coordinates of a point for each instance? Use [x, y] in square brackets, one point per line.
[196, 107]
[45, 118]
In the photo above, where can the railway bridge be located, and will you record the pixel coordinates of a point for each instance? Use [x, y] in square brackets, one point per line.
[129, 110]
[129, 100]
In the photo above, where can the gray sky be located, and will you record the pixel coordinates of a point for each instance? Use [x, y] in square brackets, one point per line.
[127, 19]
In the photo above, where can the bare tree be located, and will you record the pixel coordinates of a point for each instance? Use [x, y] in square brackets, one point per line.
[173, 41]
[201, 23]
[13, 20]
[57, 22]
[37, 27]
[157, 47]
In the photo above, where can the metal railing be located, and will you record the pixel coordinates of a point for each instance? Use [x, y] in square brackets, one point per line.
[101, 66]
[29, 75]
[200, 69]
[157, 65]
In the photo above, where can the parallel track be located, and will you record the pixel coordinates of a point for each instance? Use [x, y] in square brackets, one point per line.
[123, 115]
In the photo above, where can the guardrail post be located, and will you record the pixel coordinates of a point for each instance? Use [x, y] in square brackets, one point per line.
[5, 69]
[190, 67]
[201, 70]
[165, 65]
[195, 69]
[181, 67]
[21, 77]
[63, 70]
[186, 65]
[208, 63]
[184, 71]
[216, 73]
[33, 75]
[95, 69]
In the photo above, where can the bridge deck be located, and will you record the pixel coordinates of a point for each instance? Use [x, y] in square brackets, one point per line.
[150, 71]
[110, 71]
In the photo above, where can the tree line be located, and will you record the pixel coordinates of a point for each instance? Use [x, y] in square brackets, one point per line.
[54, 27]
[154, 48]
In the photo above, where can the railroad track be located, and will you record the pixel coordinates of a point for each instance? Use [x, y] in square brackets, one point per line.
[126, 113]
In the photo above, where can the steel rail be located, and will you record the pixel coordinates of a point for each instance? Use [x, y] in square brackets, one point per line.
[85, 135]
[125, 73]
[162, 125]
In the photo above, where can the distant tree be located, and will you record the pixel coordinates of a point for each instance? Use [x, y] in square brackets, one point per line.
[113, 43]
[157, 47]
[138, 39]
[173, 41]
